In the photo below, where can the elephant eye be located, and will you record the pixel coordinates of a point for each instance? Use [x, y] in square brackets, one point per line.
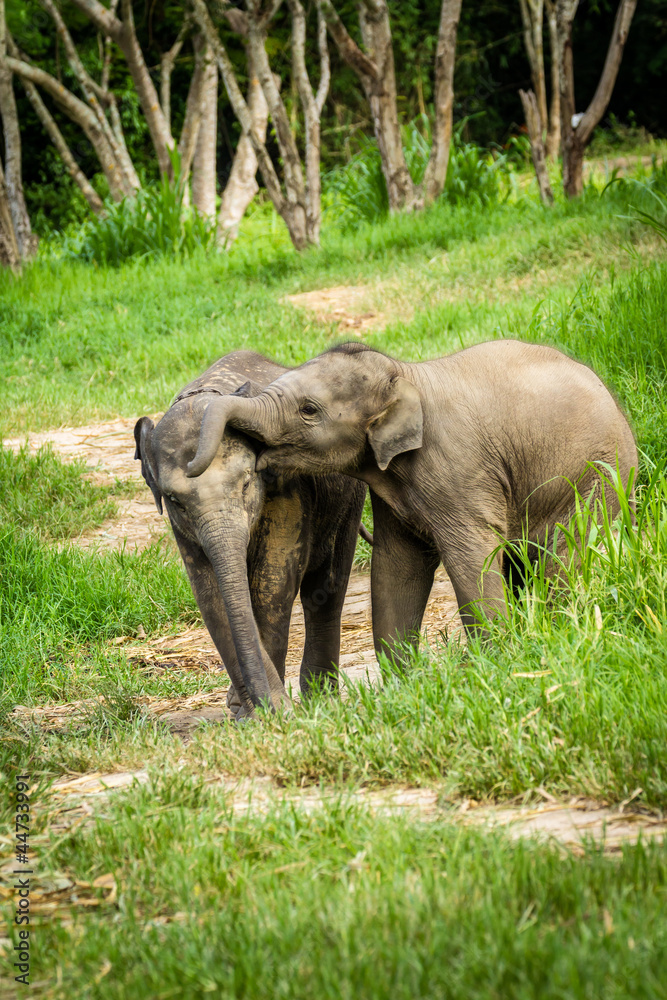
[246, 484]
[176, 503]
[308, 409]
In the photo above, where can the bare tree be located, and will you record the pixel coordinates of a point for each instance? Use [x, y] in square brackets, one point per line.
[537, 148]
[376, 72]
[124, 34]
[242, 186]
[22, 240]
[436, 169]
[298, 203]
[84, 116]
[577, 130]
[553, 130]
[204, 162]
[375, 69]
[532, 16]
[58, 140]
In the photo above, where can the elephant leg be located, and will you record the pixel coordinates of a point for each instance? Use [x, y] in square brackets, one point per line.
[273, 621]
[477, 577]
[322, 596]
[207, 594]
[402, 571]
[275, 567]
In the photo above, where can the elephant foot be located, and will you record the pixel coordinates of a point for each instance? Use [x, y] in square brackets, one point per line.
[280, 702]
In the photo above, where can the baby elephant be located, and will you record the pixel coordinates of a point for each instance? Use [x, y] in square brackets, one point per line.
[460, 453]
[250, 542]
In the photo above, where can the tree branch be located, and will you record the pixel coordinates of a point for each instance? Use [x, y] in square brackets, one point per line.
[56, 136]
[602, 96]
[167, 61]
[348, 48]
[325, 66]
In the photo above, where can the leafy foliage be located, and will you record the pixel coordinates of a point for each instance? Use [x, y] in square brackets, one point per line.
[358, 191]
[155, 223]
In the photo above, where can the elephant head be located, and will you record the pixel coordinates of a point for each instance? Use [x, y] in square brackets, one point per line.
[344, 409]
[214, 514]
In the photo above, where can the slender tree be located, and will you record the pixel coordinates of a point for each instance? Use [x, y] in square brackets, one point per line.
[374, 65]
[17, 232]
[577, 130]
[297, 199]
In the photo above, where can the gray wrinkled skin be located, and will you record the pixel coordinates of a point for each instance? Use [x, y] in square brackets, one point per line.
[252, 541]
[460, 453]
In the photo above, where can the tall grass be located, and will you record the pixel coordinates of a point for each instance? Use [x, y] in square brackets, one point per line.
[340, 904]
[358, 191]
[154, 223]
[56, 600]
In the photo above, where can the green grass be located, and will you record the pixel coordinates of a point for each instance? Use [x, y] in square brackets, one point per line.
[80, 342]
[44, 495]
[341, 904]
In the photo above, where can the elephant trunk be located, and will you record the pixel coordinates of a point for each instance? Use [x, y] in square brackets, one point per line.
[245, 413]
[225, 542]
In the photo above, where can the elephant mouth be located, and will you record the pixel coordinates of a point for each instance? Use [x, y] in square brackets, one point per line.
[267, 456]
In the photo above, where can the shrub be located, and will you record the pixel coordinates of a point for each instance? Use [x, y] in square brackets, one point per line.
[357, 192]
[155, 223]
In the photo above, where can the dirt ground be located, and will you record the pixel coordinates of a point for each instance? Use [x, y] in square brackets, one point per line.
[567, 823]
[350, 306]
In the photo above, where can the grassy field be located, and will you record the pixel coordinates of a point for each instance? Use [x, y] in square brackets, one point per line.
[571, 697]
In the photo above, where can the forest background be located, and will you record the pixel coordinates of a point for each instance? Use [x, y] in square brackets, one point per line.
[490, 68]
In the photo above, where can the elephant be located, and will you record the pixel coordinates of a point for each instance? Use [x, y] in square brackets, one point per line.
[251, 541]
[460, 453]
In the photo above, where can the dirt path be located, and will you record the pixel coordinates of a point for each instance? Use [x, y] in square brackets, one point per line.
[352, 307]
[568, 823]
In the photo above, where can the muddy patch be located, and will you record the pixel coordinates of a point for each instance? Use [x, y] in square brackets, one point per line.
[351, 307]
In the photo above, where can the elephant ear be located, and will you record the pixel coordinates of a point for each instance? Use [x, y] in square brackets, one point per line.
[398, 427]
[143, 435]
[247, 390]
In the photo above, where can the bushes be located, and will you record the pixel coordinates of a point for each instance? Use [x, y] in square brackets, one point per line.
[357, 192]
[153, 224]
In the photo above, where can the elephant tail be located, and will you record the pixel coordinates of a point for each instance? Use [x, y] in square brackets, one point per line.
[365, 534]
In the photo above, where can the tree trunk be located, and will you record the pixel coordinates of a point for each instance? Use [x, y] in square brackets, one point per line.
[553, 130]
[532, 115]
[532, 16]
[242, 185]
[187, 142]
[12, 171]
[311, 106]
[204, 163]
[56, 136]
[436, 168]
[573, 154]
[295, 192]
[9, 249]
[375, 69]
[381, 93]
[577, 132]
[125, 37]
